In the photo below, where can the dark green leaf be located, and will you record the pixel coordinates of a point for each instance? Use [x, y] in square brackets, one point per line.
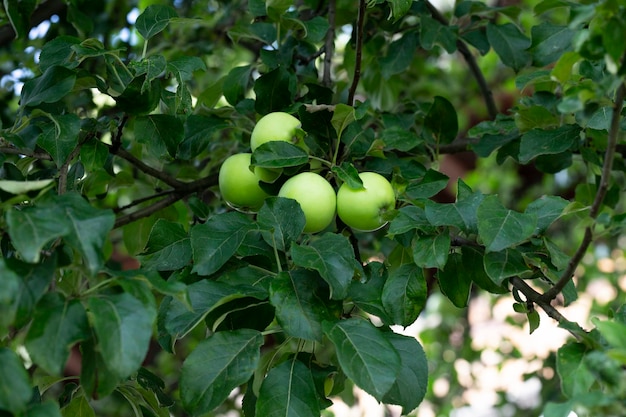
[57, 325]
[613, 331]
[367, 294]
[412, 381]
[346, 172]
[510, 44]
[576, 378]
[547, 209]
[216, 366]
[54, 84]
[342, 117]
[504, 264]
[34, 282]
[274, 90]
[88, 228]
[553, 409]
[154, 19]
[550, 42]
[156, 130]
[399, 8]
[431, 251]
[139, 96]
[366, 356]
[199, 132]
[442, 121]
[78, 407]
[432, 182]
[288, 390]
[60, 137]
[9, 293]
[175, 317]
[184, 67]
[152, 67]
[249, 280]
[237, 83]
[333, 257]
[30, 229]
[281, 222]
[546, 142]
[300, 310]
[461, 214]
[455, 282]
[404, 294]
[93, 155]
[123, 327]
[58, 52]
[434, 32]
[399, 54]
[213, 243]
[474, 268]
[316, 29]
[397, 137]
[15, 388]
[168, 247]
[279, 154]
[409, 218]
[18, 13]
[501, 228]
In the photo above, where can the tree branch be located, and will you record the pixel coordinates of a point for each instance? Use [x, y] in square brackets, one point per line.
[609, 156]
[359, 51]
[153, 172]
[492, 109]
[329, 46]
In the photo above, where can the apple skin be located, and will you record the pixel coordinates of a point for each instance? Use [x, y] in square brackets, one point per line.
[276, 126]
[362, 209]
[316, 197]
[238, 185]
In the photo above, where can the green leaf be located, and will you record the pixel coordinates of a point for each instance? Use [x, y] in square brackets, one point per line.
[184, 67]
[399, 8]
[9, 294]
[510, 44]
[123, 328]
[366, 356]
[139, 96]
[288, 390]
[156, 130]
[550, 42]
[432, 182]
[442, 121]
[281, 221]
[216, 366]
[78, 407]
[553, 409]
[177, 319]
[548, 142]
[576, 378]
[501, 228]
[154, 19]
[300, 310]
[279, 154]
[34, 282]
[54, 84]
[342, 117]
[434, 32]
[455, 282]
[367, 294]
[399, 138]
[60, 137]
[412, 381]
[461, 214]
[274, 90]
[15, 388]
[59, 51]
[94, 155]
[431, 251]
[199, 132]
[152, 67]
[18, 13]
[408, 218]
[168, 247]
[404, 294]
[333, 257]
[213, 243]
[23, 187]
[30, 229]
[399, 55]
[346, 172]
[89, 228]
[57, 325]
[474, 268]
[504, 264]
[547, 209]
[614, 332]
[237, 83]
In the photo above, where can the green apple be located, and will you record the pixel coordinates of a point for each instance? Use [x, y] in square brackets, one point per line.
[238, 185]
[363, 209]
[278, 126]
[316, 198]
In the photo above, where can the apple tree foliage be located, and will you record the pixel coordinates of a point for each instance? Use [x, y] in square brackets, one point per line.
[116, 247]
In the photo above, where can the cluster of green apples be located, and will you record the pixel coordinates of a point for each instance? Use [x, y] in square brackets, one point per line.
[359, 208]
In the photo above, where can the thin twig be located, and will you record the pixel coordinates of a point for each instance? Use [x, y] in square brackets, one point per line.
[64, 169]
[609, 156]
[153, 172]
[537, 298]
[25, 152]
[492, 109]
[142, 200]
[329, 47]
[359, 51]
